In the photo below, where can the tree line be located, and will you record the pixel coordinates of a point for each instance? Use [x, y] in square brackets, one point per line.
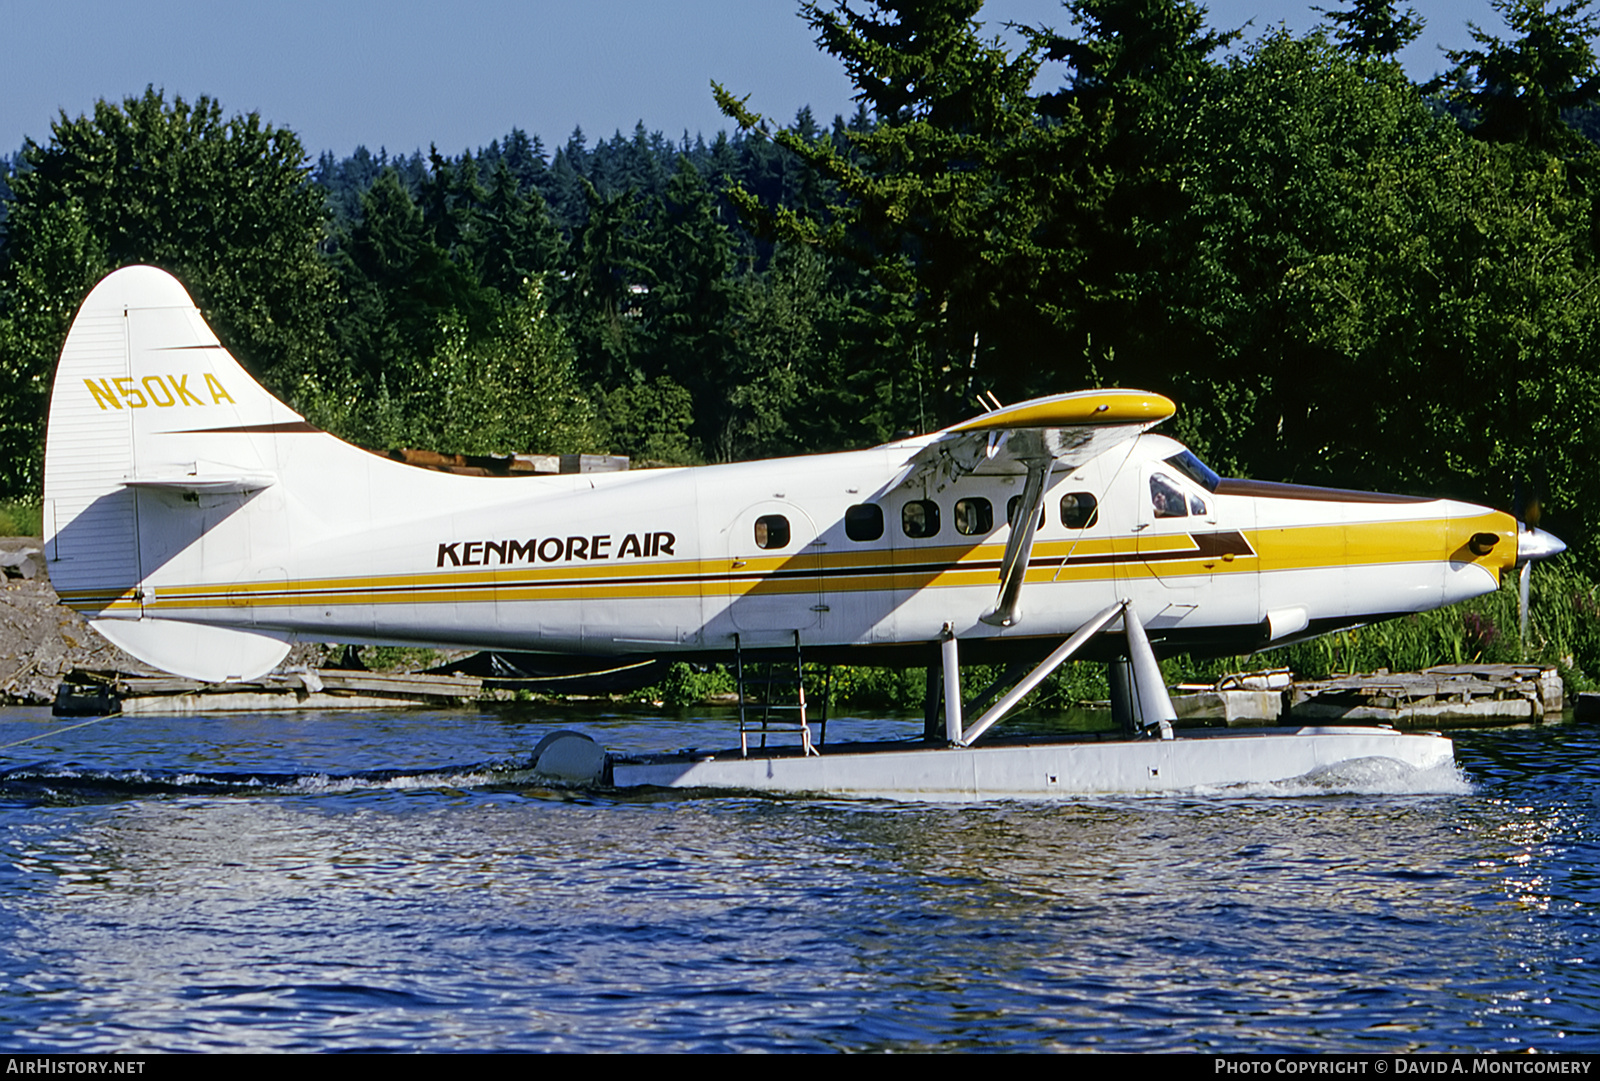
[1343, 276]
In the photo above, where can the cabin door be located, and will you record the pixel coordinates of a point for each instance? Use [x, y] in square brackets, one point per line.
[773, 569]
[1200, 560]
[1175, 522]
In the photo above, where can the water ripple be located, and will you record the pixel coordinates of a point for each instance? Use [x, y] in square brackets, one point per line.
[194, 886]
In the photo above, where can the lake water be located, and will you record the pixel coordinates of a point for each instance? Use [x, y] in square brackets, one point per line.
[398, 881]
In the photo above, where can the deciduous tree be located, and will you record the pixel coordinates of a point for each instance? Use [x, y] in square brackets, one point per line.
[226, 204]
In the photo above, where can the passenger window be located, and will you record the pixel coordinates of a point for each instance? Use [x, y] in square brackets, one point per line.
[920, 518]
[974, 516]
[1013, 505]
[1166, 499]
[772, 531]
[1079, 510]
[863, 522]
[1197, 506]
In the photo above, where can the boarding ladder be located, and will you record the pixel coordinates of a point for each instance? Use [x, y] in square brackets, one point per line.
[772, 696]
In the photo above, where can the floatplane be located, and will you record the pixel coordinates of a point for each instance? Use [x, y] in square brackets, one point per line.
[203, 526]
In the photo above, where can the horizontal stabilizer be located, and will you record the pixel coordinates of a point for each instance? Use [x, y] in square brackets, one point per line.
[215, 483]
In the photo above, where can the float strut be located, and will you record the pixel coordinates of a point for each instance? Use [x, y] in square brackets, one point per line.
[1124, 699]
[1037, 676]
[952, 684]
[1150, 690]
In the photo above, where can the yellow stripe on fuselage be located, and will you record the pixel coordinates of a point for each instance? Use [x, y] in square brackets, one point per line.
[1377, 543]
[1084, 559]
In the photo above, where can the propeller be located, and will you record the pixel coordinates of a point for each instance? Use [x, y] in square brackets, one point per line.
[1533, 544]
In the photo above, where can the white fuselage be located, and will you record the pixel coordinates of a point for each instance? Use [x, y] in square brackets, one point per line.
[669, 560]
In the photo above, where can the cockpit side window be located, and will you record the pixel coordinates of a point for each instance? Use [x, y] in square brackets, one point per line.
[1166, 498]
[1186, 463]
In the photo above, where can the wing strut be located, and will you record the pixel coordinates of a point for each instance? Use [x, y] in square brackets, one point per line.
[1019, 548]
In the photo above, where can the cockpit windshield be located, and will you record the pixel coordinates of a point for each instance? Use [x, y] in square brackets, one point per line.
[1186, 463]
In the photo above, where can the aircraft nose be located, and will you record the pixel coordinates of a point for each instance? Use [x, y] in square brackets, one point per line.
[1535, 544]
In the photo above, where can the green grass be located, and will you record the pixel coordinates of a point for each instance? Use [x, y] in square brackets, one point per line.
[21, 518]
[687, 684]
[399, 658]
[1564, 631]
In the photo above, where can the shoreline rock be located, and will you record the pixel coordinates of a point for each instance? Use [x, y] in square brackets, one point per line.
[40, 640]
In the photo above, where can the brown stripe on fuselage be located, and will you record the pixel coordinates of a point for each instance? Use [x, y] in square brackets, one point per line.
[1222, 544]
[1269, 489]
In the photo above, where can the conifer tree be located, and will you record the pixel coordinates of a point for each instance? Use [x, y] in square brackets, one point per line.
[1516, 91]
[935, 198]
[1373, 29]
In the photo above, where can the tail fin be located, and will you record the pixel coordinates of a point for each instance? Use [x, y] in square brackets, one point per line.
[146, 415]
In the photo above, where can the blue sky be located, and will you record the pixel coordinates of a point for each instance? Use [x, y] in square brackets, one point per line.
[406, 74]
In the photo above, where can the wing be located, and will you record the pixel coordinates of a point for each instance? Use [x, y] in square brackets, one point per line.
[1066, 428]
[1035, 436]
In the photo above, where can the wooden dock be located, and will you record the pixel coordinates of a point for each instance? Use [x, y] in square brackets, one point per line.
[1239, 700]
[1447, 696]
[86, 693]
